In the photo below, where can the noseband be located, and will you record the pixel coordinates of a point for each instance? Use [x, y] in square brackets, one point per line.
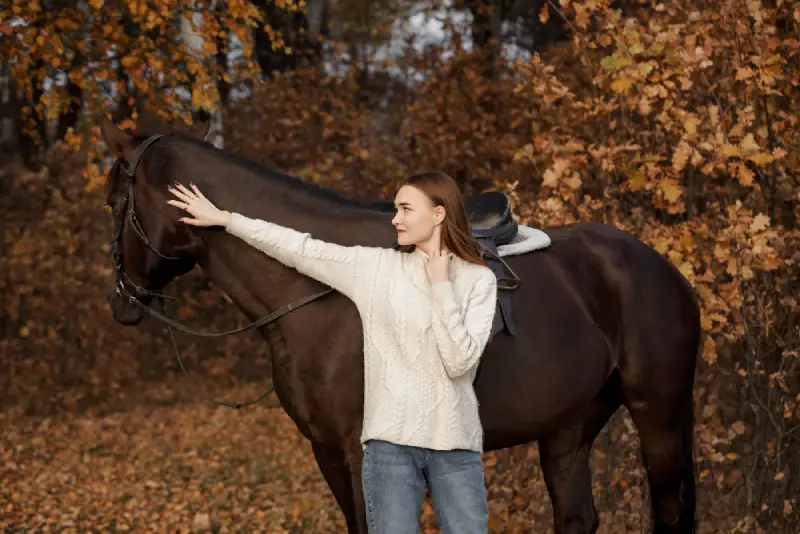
[123, 281]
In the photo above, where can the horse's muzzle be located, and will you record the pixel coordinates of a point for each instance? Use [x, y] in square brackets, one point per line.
[124, 311]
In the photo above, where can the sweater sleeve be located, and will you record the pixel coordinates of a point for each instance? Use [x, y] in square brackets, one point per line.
[334, 265]
[462, 334]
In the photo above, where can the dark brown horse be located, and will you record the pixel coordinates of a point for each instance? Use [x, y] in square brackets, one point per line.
[603, 321]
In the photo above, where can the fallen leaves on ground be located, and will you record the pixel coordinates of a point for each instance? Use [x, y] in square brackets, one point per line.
[161, 458]
[159, 468]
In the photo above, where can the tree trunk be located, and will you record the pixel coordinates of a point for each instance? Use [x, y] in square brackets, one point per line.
[297, 35]
[32, 128]
[487, 25]
[193, 40]
[223, 87]
[75, 95]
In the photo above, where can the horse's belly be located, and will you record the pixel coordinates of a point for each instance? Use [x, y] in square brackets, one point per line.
[529, 388]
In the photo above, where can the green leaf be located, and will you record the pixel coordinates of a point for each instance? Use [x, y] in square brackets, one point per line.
[644, 68]
[615, 62]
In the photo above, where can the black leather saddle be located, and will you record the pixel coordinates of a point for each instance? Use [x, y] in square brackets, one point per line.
[493, 225]
[490, 217]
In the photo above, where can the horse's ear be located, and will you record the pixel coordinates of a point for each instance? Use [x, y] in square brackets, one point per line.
[200, 130]
[118, 142]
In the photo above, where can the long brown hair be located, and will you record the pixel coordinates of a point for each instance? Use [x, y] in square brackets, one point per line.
[443, 191]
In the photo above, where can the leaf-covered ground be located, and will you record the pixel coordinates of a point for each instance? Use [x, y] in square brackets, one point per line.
[162, 466]
[170, 462]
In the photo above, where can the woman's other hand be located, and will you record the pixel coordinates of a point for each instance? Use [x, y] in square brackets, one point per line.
[437, 267]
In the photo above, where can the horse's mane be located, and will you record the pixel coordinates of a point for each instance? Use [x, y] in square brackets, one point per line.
[263, 171]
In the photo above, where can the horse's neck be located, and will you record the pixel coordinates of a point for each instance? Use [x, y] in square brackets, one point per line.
[256, 283]
[259, 284]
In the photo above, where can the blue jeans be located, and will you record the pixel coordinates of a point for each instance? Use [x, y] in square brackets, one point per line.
[394, 479]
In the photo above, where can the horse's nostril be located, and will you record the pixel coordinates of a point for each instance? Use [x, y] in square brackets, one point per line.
[124, 311]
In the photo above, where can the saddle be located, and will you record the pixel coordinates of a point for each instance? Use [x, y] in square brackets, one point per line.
[492, 224]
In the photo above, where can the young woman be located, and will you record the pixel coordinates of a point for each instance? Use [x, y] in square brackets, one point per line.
[427, 312]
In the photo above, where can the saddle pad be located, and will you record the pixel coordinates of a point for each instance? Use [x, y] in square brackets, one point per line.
[526, 240]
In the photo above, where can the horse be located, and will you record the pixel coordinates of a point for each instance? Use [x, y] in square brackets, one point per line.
[602, 320]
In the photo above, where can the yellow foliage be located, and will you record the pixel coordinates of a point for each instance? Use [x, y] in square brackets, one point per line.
[139, 35]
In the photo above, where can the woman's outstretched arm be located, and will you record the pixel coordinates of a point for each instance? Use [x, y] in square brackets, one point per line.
[335, 265]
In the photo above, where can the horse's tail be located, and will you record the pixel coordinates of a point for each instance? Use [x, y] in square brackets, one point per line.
[688, 489]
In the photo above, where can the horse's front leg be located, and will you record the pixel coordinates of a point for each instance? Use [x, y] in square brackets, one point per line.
[342, 472]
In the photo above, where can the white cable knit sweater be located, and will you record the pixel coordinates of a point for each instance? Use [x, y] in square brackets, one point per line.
[422, 343]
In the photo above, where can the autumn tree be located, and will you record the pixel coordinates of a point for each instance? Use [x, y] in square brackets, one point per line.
[91, 56]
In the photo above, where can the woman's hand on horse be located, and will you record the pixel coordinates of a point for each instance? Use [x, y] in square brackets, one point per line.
[203, 212]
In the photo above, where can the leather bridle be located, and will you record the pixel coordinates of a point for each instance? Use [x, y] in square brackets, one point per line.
[124, 284]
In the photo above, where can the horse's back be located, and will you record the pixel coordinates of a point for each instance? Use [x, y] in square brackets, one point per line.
[601, 261]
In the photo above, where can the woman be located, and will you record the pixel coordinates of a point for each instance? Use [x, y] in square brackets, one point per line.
[427, 312]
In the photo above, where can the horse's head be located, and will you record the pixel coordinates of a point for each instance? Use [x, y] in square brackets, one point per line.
[149, 247]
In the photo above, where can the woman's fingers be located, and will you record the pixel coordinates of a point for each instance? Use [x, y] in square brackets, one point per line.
[178, 204]
[181, 195]
[185, 203]
[188, 195]
[199, 194]
[183, 188]
[194, 197]
[189, 199]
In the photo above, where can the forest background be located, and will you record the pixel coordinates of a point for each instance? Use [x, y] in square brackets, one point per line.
[674, 120]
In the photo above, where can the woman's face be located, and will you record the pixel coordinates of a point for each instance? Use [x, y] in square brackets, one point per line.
[416, 217]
